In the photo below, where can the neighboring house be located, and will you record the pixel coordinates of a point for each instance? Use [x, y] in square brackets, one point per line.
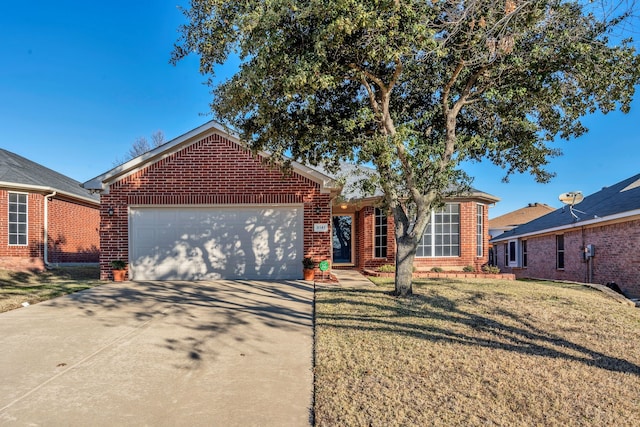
[202, 206]
[513, 219]
[596, 241]
[45, 217]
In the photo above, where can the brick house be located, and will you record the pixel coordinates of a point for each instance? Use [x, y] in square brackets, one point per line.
[202, 206]
[513, 219]
[595, 241]
[45, 217]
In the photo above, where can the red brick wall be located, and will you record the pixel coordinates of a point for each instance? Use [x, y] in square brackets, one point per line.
[617, 257]
[467, 242]
[365, 236]
[30, 255]
[73, 232]
[212, 171]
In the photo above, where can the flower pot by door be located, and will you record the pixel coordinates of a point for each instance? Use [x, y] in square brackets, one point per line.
[309, 274]
[119, 275]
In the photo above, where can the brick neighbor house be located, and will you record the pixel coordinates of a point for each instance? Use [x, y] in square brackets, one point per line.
[45, 217]
[203, 207]
[513, 219]
[596, 241]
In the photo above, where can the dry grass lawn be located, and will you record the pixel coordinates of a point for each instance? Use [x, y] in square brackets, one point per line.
[17, 287]
[476, 352]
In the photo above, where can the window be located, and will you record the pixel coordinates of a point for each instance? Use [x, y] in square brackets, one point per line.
[506, 255]
[479, 229]
[513, 259]
[380, 234]
[523, 246]
[560, 252]
[17, 219]
[442, 235]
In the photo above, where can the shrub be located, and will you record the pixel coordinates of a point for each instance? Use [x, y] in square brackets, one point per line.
[387, 268]
[118, 264]
[469, 269]
[491, 269]
[437, 270]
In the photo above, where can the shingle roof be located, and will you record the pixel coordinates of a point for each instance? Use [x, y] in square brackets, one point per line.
[351, 175]
[520, 216]
[18, 172]
[619, 198]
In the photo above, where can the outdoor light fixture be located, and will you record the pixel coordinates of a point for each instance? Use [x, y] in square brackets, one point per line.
[343, 206]
[318, 210]
[110, 211]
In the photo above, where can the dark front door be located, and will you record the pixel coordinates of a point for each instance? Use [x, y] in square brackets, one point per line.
[342, 236]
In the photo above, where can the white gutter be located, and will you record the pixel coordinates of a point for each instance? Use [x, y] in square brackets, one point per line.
[46, 228]
[42, 188]
[593, 221]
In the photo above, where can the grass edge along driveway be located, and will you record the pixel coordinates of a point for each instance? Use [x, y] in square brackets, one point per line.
[18, 287]
[476, 352]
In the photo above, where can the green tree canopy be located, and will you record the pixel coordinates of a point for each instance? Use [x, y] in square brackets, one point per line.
[413, 87]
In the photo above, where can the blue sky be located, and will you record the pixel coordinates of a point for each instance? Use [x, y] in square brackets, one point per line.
[80, 81]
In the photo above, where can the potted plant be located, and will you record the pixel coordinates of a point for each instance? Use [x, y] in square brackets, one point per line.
[119, 270]
[308, 268]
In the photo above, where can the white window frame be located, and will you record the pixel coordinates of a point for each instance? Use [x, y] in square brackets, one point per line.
[379, 224]
[524, 253]
[431, 236]
[17, 234]
[479, 230]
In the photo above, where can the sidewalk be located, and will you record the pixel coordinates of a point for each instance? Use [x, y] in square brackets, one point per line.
[349, 279]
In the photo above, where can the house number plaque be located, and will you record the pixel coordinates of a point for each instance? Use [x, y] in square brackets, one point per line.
[320, 228]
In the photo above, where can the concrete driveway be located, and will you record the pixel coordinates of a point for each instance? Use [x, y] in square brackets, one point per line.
[219, 353]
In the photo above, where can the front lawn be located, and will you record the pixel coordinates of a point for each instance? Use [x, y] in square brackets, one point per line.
[476, 352]
[17, 288]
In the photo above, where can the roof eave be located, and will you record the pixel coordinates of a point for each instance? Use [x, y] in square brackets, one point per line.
[594, 221]
[46, 189]
[102, 182]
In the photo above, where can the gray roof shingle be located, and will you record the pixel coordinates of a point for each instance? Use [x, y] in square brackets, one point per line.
[19, 171]
[621, 197]
[352, 174]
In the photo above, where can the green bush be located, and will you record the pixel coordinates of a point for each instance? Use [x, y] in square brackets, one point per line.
[437, 270]
[387, 268]
[491, 269]
[469, 269]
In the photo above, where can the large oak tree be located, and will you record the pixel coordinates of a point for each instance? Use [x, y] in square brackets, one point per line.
[413, 87]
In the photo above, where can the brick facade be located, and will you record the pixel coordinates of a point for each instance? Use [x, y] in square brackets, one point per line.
[213, 171]
[73, 233]
[468, 247]
[616, 259]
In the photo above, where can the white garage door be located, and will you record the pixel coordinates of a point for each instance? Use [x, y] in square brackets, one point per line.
[186, 243]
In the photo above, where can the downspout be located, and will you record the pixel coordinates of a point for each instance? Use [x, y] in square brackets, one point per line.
[46, 228]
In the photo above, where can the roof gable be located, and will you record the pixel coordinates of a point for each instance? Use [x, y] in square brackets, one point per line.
[21, 173]
[521, 216]
[102, 182]
[620, 199]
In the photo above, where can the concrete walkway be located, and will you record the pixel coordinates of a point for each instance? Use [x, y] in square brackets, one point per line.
[351, 279]
[161, 354]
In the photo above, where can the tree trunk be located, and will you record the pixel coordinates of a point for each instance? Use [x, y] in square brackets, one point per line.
[405, 253]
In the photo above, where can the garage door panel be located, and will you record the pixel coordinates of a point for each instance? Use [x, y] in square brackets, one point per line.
[210, 243]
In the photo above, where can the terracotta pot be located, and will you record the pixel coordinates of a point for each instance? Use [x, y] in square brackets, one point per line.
[119, 275]
[309, 274]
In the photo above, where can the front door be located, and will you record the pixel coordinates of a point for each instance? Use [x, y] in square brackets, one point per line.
[342, 239]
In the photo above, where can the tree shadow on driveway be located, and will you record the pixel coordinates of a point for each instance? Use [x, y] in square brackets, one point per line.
[194, 313]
